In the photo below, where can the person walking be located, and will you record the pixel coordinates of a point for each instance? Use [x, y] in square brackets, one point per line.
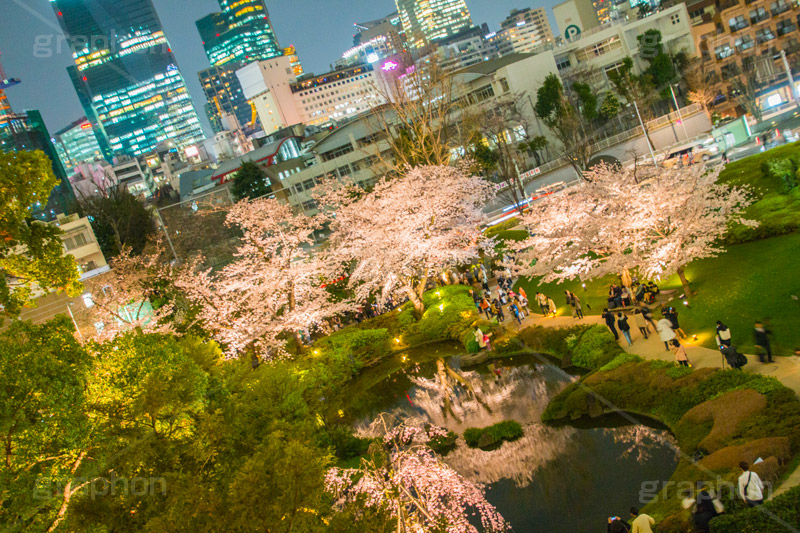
[501, 316]
[624, 327]
[750, 486]
[680, 353]
[723, 334]
[761, 336]
[541, 299]
[642, 523]
[672, 315]
[665, 333]
[609, 318]
[551, 306]
[638, 320]
[516, 312]
[648, 316]
[704, 509]
[578, 308]
[485, 308]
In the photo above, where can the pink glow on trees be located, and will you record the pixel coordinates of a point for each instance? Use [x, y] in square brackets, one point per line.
[408, 228]
[273, 286]
[614, 222]
[128, 297]
[407, 480]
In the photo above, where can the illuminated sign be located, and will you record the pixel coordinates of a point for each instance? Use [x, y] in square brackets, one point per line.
[192, 151]
[373, 58]
[390, 65]
[572, 32]
[86, 126]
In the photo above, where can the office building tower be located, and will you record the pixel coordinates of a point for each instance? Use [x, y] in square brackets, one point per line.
[241, 32]
[224, 97]
[523, 31]
[428, 20]
[126, 75]
[76, 144]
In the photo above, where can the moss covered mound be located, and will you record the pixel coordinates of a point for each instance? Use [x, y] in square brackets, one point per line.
[725, 414]
[493, 436]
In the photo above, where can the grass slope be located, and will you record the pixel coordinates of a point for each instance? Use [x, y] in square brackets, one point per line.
[751, 281]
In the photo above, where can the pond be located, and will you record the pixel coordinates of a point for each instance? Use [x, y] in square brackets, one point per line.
[569, 478]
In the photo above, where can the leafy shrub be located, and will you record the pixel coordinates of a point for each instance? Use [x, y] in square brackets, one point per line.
[406, 317]
[443, 445]
[595, 347]
[345, 445]
[552, 341]
[620, 360]
[365, 345]
[503, 226]
[782, 172]
[456, 315]
[469, 342]
[493, 435]
[785, 507]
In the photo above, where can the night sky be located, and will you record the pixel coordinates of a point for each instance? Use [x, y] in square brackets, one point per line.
[320, 29]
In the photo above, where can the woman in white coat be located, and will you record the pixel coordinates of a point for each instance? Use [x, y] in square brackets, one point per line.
[665, 332]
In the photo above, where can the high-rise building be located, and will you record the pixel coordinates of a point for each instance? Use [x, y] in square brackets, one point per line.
[241, 32]
[523, 31]
[428, 20]
[224, 96]
[126, 75]
[77, 144]
[374, 41]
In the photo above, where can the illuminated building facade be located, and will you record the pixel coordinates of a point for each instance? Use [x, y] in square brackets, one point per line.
[428, 20]
[77, 144]
[224, 96]
[523, 31]
[126, 75]
[241, 32]
[340, 94]
[296, 65]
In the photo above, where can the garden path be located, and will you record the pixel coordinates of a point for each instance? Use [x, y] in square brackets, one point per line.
[785, 369]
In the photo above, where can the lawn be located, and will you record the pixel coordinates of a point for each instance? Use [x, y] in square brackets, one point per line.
[753, 281]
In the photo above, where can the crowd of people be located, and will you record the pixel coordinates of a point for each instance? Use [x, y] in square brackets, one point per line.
[704, 505]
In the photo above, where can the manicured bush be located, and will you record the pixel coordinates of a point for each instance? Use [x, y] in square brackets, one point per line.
[364, 345]
[552, 341]
[594, 348]
[493, 435]
[443, 445]
[620, 360]
[456, 316]
[785, 507]
[503, 226]
[780, 171]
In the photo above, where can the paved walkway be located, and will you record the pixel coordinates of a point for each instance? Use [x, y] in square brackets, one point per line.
[786, 369]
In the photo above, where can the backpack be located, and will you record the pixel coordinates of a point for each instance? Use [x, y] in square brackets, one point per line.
[741, 360]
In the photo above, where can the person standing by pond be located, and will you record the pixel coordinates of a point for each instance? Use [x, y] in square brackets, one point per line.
[761, 335]
[750, 486]
[642, 523]
[609, 318]
[624, 327]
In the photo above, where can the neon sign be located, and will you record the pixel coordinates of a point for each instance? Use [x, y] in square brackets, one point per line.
[390, 65]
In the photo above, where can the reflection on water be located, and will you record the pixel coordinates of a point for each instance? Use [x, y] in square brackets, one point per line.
[551, 479]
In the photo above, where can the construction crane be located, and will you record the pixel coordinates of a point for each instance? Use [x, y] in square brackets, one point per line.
[5, 83]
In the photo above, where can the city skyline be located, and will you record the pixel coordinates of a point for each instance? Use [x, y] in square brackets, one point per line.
[42, 66]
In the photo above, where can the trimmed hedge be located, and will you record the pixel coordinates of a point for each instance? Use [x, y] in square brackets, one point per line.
[786, 507]
[493, 435]
[594, 348]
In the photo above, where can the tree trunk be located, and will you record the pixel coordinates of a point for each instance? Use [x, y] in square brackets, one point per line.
[685, 282]
[416, 301]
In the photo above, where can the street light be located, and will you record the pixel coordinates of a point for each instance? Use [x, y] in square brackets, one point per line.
[678, 109]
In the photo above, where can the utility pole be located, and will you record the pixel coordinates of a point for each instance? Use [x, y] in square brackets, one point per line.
[644, 132]
[678, 109]
[792, 88]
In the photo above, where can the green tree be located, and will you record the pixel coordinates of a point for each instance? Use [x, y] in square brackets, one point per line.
[559, 110]
[44, 427]
[31, 252]
[587, 100]
[250, 182]
[119, 220]
[610, 106]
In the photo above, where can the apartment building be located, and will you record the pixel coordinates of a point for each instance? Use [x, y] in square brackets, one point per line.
[80, 242]
[748, 41]
[523, 31]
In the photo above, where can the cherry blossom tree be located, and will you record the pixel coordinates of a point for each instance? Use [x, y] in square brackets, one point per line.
[408, 228]
[406, 479]
[273, 286]
[130, 296]
[614, 222]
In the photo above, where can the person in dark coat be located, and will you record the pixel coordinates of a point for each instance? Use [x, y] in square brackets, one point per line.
[609, 318]
[761, 335]
[732, 356]
[704, 510]
[624, 327]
